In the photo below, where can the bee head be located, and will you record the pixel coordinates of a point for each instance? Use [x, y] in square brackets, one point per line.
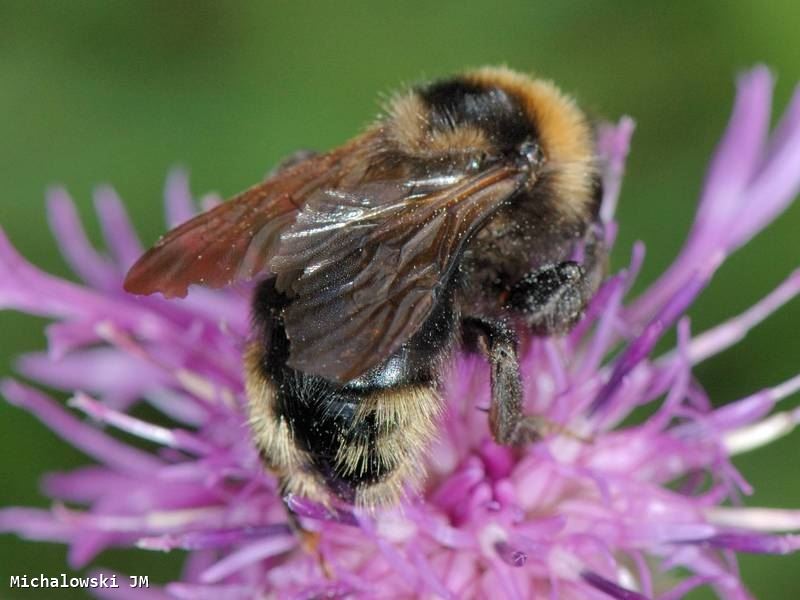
[565, 158]
[498, 115]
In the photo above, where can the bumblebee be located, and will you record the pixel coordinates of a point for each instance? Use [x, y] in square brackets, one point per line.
[465, 214]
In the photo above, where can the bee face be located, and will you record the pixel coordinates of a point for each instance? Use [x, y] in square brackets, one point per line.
[454, 218]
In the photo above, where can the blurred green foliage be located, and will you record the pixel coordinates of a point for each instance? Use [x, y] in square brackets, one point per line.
[114, 91]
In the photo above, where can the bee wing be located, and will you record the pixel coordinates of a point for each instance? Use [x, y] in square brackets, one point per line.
[365, 266]
[234, 241]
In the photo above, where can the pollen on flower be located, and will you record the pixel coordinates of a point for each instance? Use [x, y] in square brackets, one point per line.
[599, 508]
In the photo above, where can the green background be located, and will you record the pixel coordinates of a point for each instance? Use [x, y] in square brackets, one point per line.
[118, 92]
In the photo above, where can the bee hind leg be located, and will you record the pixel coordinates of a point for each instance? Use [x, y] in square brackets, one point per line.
[308, 540]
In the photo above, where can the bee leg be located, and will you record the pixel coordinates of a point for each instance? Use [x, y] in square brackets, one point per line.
[552, 299]
[294, 158]
[309, 540]
[497, 340]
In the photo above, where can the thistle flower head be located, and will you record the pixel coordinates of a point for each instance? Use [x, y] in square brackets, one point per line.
[603, 507]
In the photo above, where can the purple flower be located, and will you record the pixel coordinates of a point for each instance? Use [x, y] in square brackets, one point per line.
[601, 508]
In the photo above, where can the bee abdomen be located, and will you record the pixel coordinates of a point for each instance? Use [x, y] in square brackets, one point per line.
[362, 441]
[363, 445]
[366, 444]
